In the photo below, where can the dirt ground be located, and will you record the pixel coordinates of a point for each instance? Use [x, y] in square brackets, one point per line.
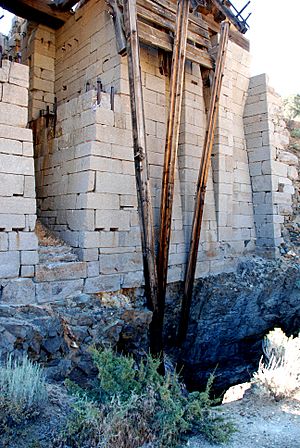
[261, 423]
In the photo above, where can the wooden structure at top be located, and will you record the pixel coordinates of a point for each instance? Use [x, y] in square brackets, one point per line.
[156, 22]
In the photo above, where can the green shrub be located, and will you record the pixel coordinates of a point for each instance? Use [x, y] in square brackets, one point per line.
[22, 392]
[279, 374]
[295, 133]
[133, 405]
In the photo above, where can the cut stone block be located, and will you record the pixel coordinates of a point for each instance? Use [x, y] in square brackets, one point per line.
[60, 271]
[13, 115]
[19, 74]
[15, 133]
[112, 219]
[9, 264]
[25, 241]
[11, 221]
[29, 257]
[27, 271]
[11, 185]
[16, 164]
[19, 292]
[15, 95]
[10, 146]
[102, 283]
[58, 290]
[3, 241]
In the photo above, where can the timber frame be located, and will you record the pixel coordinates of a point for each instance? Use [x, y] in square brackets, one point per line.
[156, 22]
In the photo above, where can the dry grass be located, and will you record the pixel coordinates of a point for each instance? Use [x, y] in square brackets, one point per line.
[278, 374]
[23, 391]
[46, 237]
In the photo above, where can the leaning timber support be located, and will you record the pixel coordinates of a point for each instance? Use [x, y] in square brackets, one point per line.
[202, 183]
[119, 26]
[172, 137]
[141, 162]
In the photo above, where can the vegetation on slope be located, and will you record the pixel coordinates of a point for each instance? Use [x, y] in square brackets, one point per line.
[131, 405]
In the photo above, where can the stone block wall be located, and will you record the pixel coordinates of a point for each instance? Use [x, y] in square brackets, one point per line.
[18, 243]
[272, 168]
[38, 51]
[86, 51]
[84, 167]
[86, 190]
[232, 186]
[86, 183]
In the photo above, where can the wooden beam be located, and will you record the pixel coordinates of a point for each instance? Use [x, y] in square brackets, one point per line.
[151, 11]
[172, 137]
[202, 183]
[141, 167]
[119, 26]
[157, 38]
[37, 11]
[240, 26]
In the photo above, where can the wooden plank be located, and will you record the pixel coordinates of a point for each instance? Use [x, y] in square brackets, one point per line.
[202, 183]
[172, 138]
[239, 39]
[202, 57]
[36, 10]
[171, 6]
[118, 24]
[142, 169]
[157, 38]
[162, 17]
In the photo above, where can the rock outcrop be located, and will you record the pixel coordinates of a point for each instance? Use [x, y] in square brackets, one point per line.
[59, 335]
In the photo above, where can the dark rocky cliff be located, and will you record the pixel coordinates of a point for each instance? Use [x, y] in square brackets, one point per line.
[230, 315]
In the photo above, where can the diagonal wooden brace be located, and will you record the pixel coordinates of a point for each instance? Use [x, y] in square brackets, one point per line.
[171, 146]
[141, 162]
[202, 182]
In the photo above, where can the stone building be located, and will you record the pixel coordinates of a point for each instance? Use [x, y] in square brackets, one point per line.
[66, 153]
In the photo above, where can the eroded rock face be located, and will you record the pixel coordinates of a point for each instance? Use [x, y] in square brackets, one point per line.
[59, 335]
[230, 315]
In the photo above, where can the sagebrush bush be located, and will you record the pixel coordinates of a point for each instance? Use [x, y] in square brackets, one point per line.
[278, 374]
[22, 391]
[132, 405]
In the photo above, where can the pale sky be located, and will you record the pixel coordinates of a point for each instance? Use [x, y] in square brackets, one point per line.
[274, 36]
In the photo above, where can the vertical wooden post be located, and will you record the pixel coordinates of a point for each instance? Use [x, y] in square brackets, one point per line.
[172, 137]
[141, 161]
[202, 183]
